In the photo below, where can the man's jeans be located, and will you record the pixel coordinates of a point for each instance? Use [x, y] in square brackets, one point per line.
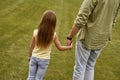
[85, 60]
[37, 68]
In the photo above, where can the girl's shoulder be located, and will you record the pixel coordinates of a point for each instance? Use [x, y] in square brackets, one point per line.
[54, 33]
[35, 29]
[35, 32]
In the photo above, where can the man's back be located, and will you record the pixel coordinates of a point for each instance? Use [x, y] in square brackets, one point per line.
[104, 12]
[99, 17]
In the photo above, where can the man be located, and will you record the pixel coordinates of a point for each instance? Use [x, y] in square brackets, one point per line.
[93, 25]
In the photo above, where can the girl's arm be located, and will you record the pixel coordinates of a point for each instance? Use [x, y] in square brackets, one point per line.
[32, 45]
[59, 46]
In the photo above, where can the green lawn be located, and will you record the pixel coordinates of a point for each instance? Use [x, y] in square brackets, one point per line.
[18, 19]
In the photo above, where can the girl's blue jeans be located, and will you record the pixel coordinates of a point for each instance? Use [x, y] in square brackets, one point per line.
[37, 68]
[85, 60]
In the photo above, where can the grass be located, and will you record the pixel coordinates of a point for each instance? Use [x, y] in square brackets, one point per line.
[18, 18]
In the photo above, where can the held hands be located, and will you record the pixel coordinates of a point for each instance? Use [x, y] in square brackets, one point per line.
[69, 42]
[71, 46]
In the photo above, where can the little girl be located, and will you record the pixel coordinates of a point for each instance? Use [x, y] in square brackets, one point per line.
[41, 44]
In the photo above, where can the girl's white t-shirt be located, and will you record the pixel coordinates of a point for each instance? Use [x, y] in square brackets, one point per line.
[38, 52]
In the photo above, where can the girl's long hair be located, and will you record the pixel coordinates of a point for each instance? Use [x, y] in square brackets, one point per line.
[46, 29]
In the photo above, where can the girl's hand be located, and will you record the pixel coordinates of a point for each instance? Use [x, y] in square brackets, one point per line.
[69, 42]
[29, 59]
[71, 45]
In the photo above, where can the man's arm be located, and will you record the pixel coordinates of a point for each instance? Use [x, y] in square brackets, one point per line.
[73, 32]
[82, 18]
